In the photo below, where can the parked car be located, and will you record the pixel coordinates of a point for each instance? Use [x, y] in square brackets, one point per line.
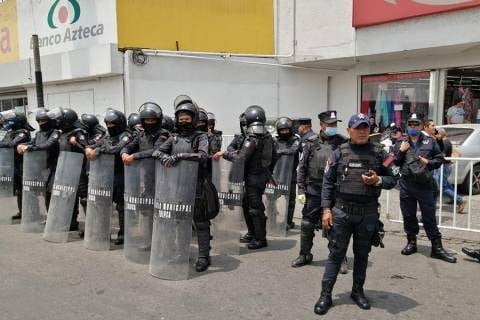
[465, 139]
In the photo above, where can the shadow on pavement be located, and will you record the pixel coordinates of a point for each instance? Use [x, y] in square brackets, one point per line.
[393, 303]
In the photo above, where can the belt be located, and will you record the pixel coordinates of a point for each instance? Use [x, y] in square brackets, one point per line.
[357, 208]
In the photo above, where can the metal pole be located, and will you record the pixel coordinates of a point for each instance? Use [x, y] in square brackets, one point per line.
[38, 72]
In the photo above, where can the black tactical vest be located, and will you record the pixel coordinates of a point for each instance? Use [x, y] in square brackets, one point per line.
[52, 154]
[65, 137]
[319, 154]
[353, 164]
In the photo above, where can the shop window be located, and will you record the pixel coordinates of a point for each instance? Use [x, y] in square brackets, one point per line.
[462, 96]
[389, 99]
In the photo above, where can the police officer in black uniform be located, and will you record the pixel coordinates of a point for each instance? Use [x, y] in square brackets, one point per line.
[238, 139]
[18, 132]
[258, 150]
[288, 143]
[214, 136]
[147, 141]
[305, 130]
[45, 139]
[95, 132]
[73, 139]
[189, 143]
[134, 124]
[116, 139]
[417, 157]
[353, 180]
[315, 152]
[168, 124]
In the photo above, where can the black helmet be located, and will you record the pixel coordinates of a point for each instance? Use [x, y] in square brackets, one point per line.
[189, 108]
[243, 123]
[284, 123]
[168, 123]
[133, 121]
[150, 110]
[56, 115]
[211, 118]
[183, 98]
[14, 120]
[117, 118]
[70, 118]
[255, 115]
[89, 121]
[42, 115]
[202, 122]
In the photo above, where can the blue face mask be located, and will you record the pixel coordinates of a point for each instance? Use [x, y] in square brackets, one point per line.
[9, 124]
[413, 132]
[331, 131]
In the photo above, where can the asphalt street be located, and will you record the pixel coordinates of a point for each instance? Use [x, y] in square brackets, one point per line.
[41, 280]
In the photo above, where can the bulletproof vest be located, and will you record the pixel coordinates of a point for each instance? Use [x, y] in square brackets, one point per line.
[319, 154]
[353, 164]
[263, 151]
[65, 137]
[147, 141]
[95, 136]
[184, 144]
[52, 154]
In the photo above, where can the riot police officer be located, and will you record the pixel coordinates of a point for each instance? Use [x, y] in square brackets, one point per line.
[116, 139]
[315, 152]
[95, 132]
[18, 132]
[417, 157]
[147, 141]
[134, 124]
[73, 139]
[288, 143]
[191, 144]
[168, 124]
[238, 139]
[260, 157]
[214, 136]
[45, 139]
[353, 180]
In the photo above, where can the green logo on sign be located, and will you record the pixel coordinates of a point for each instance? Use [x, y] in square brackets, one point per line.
[61, 15]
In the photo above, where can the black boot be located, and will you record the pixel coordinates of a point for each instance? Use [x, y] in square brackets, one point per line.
[325, 301]
[411, 246]
[203, 238]
[358, 296]
[472, 253]
[121, 224]
[18, 216]
[307, 233]
[439, 252]
[260, 223]
[247, 238]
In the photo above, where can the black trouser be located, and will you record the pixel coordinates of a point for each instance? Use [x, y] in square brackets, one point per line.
[202, 226]
[254, 211]
[359, 226]
[17, 189]
[291, 201]
[119, 199]
[410, 195]
[312, 210]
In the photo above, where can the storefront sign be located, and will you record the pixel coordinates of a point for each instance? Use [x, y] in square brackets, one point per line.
[396, 77]
[64, 25]
[8, 31]
[373, 12]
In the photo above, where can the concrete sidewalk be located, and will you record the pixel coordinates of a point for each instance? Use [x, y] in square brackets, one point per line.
[41, 280]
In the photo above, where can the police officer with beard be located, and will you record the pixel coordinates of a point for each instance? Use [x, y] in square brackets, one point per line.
[316, 150]
[353, 180]
[73, 139]
[118, 137]
[239, 139]
[189, 143]
[417, 156]
[18, 132]
[288, 143]
[214, 136]
[147, 141]
[45, 139]
[260, 157]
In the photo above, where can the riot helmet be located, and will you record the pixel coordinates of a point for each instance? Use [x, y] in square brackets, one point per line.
[115, 121]
[255, 116]
[183, 98]
[243, 123]
[151, 115]
[211, 120]
[168, 123]
[202, 122]
[134, 123]
[186, 109]
[284, 127]
[70, 118]
[89, 121]
[45, 123]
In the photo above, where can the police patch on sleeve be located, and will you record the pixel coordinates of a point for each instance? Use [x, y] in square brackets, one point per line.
[126, 139]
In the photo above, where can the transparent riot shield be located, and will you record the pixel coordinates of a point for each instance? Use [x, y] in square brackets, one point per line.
[172, 221]
[8, 201]
[99, 203]
[276, 197]
[139, 201]
[64, 195]
[229, 180]
[35, 176]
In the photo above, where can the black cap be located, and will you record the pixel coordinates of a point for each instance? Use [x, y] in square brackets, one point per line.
[306, 121]
[414, 117]
[329, 116]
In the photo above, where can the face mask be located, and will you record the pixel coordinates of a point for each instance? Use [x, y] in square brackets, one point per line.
[413, 132]
[45, 127]
[185, 126]
[113, 131]
[149, 127]
[330, 131]
[284, 136]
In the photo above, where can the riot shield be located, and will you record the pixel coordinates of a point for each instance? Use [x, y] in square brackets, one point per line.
[99, 203]
[35, 176]
[64, 195]
[139, 201]
[8, 201]
[172, 221]
[229, 180]
[276, 197]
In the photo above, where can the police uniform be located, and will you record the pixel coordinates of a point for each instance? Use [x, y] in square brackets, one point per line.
[313, 161]
[354, 207]
[421, 189]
